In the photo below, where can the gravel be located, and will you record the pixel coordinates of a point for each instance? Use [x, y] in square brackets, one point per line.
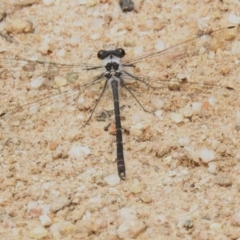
[58, 177]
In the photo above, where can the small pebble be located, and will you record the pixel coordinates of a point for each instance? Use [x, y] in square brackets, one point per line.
[92, 3]
[212, 167]
[137, 129]
[157, 103]
[78, 151]
[112, 180]
[197, 107]
[61, 52]
[207, 155]
[60, 81]
[33, 209]
[25, 2]
[60, 203]
[84, 227]
[45, 220]
[233, 18]
[238, 119]
[187, 112]
[223, 179]
[176, 117]
[38, 233]
[136, 187]
[159, 114]
[184, 141]
[159, 45]
[19, 26]
[55, 230]
[146, 199]
[44, 48]
[131, 229]
[188, 224]
[37, 82]
[235, 48]
[48, 2]
[126, 5]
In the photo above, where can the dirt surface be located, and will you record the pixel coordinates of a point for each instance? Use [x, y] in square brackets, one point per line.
[58, 176]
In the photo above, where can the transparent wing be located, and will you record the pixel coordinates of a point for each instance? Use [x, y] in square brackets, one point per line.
[31, 88]
[201, 43]
[18, 67]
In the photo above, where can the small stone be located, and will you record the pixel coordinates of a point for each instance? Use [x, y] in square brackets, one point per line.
[45, 220]
[97, 225]
[136, 187]
[207, 155]
[48, 2]
[84, 227]
[77, 214]
[126, 5]
[112, 180]
[188, 224]
[159, 114]
[78, 151]
[157, 103]
[60, 203]
[127, 213]
[146, 199]
[139, 227]
[233, 18]
[159, 46]
[60, 81]
[95, 202]
[33, 209]
[223, 179]
[19, 26]
[55, 230]
[37, 82]
[212, 167]
[112, 129]
[44, 48]
[197, 107]
[92, 3]
[53, 145]
[184, 141]
[176, 117]
[235, 48]
[238, 119]
[23, 3]
[38, 233]
[137, 129]
[187, 112]
[131, 229]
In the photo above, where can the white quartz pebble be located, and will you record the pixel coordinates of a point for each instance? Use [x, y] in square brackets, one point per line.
[37, 82]
[112, 180]
[207, 155]
[176, 117]
[78, 151]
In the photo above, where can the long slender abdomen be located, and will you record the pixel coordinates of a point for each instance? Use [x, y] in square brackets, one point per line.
[120, 155]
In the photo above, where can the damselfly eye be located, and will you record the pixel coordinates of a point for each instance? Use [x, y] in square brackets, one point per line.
[102, 54]
[120, 52]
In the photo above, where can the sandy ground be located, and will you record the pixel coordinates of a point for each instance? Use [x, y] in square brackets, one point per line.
[58, 177]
